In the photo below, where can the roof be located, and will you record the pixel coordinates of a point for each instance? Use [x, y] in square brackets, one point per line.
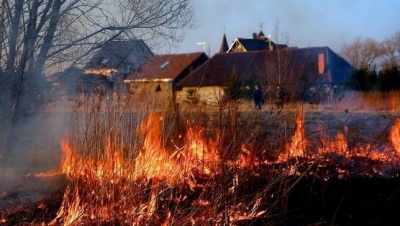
[224, 45]
[114, 53]
[167, 67]
[262, 63]
[250, 44]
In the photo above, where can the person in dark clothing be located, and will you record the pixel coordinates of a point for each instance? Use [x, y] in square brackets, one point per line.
[279, 97]
[257, 97]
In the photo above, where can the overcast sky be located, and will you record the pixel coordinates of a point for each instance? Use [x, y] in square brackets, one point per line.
[305, 23]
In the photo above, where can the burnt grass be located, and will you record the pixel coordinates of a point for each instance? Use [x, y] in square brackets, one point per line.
[311, 201]
[321, 196]
[328, 190]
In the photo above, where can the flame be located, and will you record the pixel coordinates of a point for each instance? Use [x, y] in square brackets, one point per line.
[395, 136]
[66, 160]
[298, 145]
[393, 101]
[76, 165]
[201, 154]
[155, 163]
[338, 145]
[154, 160]
[245, 157]
[137, 187]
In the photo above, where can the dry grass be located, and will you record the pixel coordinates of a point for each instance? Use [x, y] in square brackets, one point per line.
[109, 132]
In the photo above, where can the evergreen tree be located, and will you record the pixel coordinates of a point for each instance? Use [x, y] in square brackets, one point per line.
[232, 86]
[389, 79]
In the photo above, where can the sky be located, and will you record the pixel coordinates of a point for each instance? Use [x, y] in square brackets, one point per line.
[300, 23]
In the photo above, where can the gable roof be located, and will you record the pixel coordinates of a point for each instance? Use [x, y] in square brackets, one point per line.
[167, 67]
[249, 44]
[114, 53]
[314, 61]
[257, 43]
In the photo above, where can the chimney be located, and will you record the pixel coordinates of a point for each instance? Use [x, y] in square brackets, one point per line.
[254, 35]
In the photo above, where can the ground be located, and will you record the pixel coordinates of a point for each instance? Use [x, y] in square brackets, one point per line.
[367, 195]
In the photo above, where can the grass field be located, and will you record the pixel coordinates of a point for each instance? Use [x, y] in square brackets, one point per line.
[250, 185]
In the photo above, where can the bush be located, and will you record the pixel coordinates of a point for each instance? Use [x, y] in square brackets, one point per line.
[389, 79]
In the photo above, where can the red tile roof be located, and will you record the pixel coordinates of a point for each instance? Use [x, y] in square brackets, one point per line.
[167, 67]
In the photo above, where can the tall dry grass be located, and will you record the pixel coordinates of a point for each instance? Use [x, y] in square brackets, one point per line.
[241, 188]
[237, 187]
[367, 101]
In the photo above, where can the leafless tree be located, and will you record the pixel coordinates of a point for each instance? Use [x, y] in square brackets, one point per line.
[362, 53]
[43, 36]
[40, 37]
[281, 38]
[391, 51]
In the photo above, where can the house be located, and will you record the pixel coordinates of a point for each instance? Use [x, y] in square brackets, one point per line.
[299, 70]
[258, 42]
[65, 84]
[154, 83]
[115, 60]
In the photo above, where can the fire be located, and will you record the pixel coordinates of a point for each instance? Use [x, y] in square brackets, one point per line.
[338, 145]
[201, 154]
[155, 165]
[394, 101]
[156, 161]
[395, 136]
[298, 146]
[76, 165]
[147, 187]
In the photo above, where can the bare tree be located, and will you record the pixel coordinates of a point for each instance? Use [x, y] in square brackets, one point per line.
[282, 39]
[391, 52]
[39, 36]
[362, 53]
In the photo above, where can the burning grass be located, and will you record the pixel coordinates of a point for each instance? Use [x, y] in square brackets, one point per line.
[219, 168]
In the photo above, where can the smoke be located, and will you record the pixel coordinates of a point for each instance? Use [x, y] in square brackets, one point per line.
[33, 145]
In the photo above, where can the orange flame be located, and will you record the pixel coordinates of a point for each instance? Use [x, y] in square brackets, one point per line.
[154, 160]
[395, 136]
[338, 145]
[157, 164]
[298, 145]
